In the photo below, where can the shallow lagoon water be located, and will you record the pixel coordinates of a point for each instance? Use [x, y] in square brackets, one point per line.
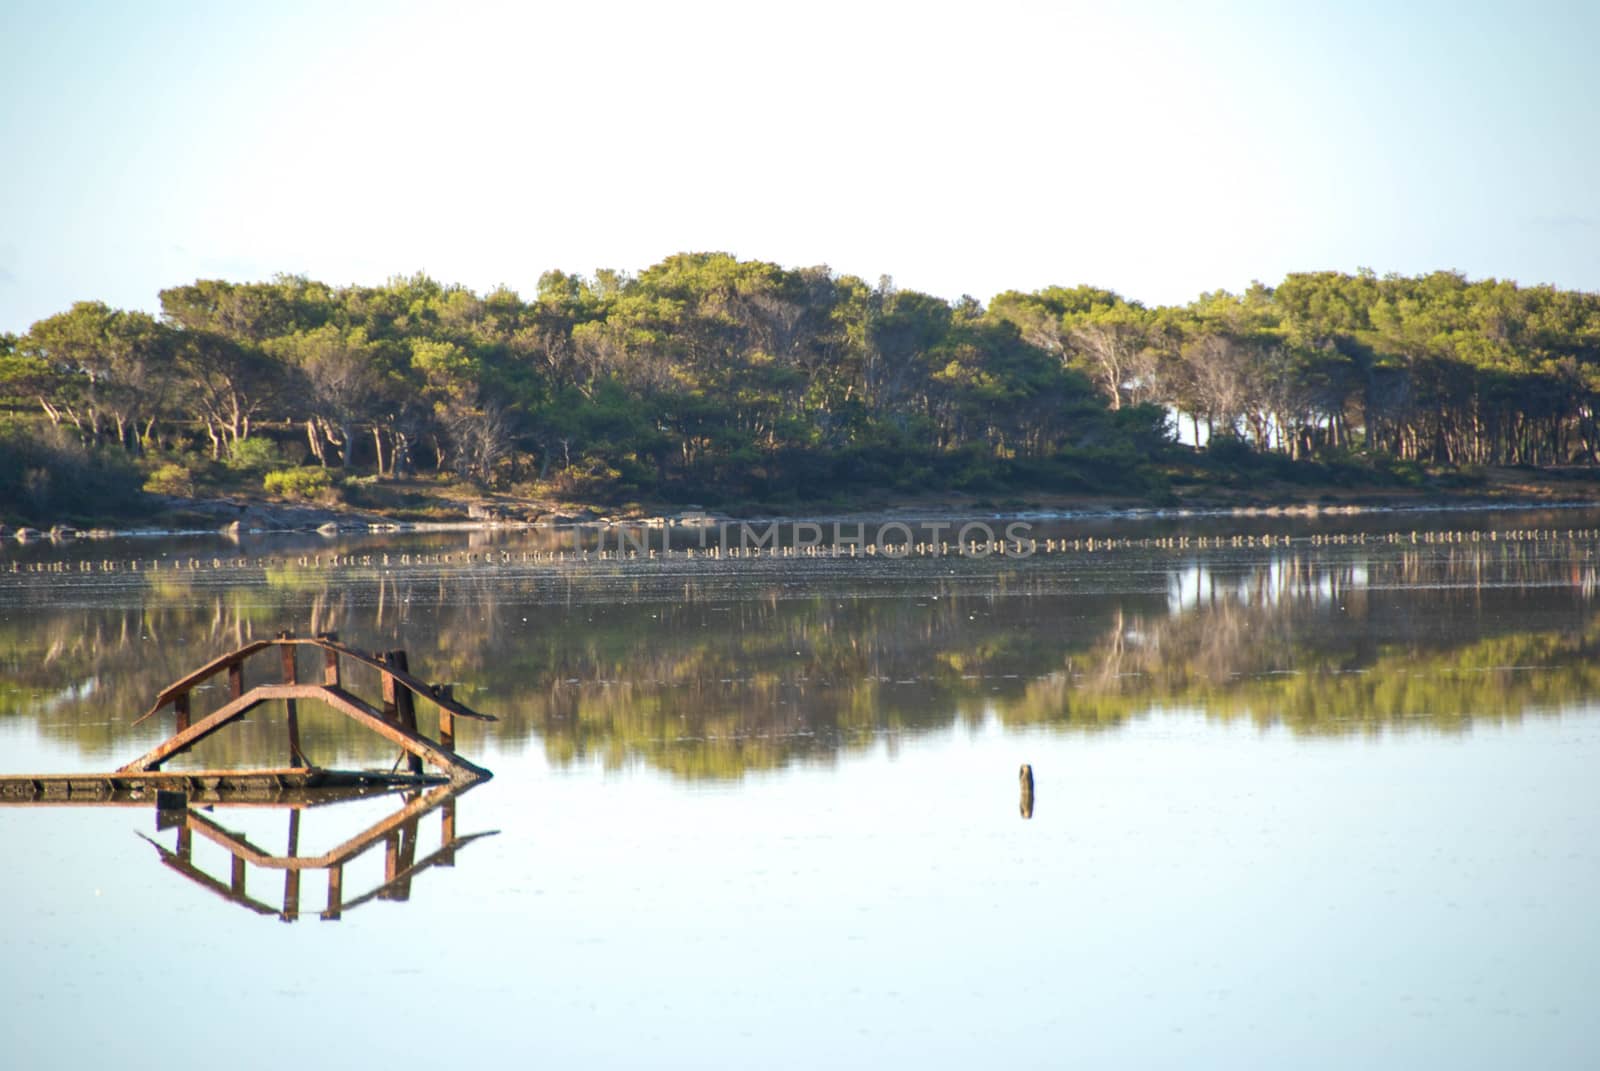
[1309, 805]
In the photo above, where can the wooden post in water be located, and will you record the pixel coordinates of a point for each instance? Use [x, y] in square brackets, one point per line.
[1025, 778]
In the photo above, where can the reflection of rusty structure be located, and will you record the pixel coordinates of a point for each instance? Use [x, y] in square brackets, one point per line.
[395, 720]
[399, 833]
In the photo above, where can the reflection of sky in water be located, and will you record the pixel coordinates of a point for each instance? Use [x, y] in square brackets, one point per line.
[857, 886]
[1186, 894]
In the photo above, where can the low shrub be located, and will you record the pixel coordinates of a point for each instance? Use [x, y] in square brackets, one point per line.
[307, 484]
[254, 455]
[170, 478]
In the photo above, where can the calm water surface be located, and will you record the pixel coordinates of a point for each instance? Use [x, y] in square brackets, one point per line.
[1309, 805]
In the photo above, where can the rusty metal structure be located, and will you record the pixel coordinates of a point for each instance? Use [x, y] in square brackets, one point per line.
[429, 760]
[398, 832]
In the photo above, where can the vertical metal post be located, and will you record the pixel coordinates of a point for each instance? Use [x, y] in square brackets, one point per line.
[291, 877]
[447, 720]
[180, 707]
[335, 898]
[447, 833]
[405, 704]
[237, 884]
[407, 860]
[391, 860]
[291, 675]
[391, 708]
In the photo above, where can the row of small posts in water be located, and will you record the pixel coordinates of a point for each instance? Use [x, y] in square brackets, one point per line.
[1012, 548]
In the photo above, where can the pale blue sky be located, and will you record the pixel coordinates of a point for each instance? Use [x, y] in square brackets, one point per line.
[1158, 149]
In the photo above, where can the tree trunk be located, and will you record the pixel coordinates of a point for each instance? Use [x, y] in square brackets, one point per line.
[316, 443]
[377, 444]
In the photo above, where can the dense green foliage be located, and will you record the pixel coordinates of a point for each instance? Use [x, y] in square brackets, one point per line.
[709, 378]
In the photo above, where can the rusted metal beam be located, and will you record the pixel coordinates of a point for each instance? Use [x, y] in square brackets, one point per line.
[207, 725]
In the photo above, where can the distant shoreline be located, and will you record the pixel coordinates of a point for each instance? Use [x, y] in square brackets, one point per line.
[260, 515]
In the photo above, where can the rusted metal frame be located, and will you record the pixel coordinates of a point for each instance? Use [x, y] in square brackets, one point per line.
[422, 805]
[209, 724]
[435, 694]
[328, 642]
[337, 698]
[343, 853]
[460, 769]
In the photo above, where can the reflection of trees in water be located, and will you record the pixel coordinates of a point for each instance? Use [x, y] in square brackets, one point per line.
[707, 677]
[1420, 638]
